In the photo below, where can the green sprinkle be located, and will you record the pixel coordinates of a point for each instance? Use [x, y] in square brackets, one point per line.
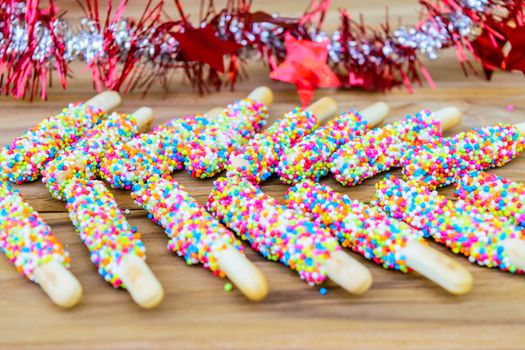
[228, 287]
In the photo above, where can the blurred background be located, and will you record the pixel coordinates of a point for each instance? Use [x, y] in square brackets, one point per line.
[444, 70]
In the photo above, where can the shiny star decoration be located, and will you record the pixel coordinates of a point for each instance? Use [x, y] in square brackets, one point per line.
[306, 67]
[203, 45]
[500, 43]
[488, 49]
[515, 59]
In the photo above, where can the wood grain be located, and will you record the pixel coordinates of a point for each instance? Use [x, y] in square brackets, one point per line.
[399, 312]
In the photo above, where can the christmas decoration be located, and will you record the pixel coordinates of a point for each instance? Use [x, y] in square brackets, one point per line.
[305, 66]
[38, 43]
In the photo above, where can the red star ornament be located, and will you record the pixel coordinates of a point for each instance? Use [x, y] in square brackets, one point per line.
[515, 59]
[305, 66]
[488, 49]
[202, 45]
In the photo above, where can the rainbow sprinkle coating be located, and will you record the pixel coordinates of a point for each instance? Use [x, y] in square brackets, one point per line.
[101, 226]
[155, 153]
[82, 158]
[382, 148]
[194, 234]
[358, 226]
[273, 230]
[497, 194]
[308, 159]
[464, 228]
[262, 153]
[25, 239]
[444, 162]
[23, 159]
[207, 153]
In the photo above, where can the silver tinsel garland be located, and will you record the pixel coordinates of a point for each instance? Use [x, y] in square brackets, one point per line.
[87, 42]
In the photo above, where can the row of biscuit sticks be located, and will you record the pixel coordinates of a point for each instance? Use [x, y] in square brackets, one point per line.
[72, 149]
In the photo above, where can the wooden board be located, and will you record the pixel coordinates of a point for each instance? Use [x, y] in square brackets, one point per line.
[399, 312]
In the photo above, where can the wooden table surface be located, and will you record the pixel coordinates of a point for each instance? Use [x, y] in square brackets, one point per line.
[401, 311]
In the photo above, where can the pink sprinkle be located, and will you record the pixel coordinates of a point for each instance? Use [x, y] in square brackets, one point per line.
[510, 107]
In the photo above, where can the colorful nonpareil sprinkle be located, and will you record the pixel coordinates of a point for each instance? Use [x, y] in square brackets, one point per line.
[155, 153]
[25, 239]
[194, 234]
[358, 226]
[101, 226]
[443, 162]
[382, 148]
[208, 152]
[257, 160]
[273, 230]
[497, 194]
[309, 158]
[462, 227]
[82, 159]
[23, 159]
